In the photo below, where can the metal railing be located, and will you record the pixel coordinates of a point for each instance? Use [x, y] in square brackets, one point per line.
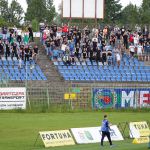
[85, 95]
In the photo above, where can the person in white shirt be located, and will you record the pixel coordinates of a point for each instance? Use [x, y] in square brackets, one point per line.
[118, 58]
[136, 40]
[47, 31]
[132, 50]
[139, 51]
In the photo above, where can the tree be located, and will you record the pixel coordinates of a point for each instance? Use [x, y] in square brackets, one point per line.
[112, 11]
[50, 8]
[35, 25]
[4, 9]
[12, 14]
[41, 10]
[145, 11]
[15, 12]
[3, 22]
[130, 15]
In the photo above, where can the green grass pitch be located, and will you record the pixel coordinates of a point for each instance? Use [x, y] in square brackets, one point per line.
[18, 131]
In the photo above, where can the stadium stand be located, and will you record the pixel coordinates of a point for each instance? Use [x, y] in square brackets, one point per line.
[29, 71]
[130, 70]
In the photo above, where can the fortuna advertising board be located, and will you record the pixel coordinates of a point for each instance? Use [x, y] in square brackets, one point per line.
[93, 134]
[139, 129]
[57, 138]
[12, 98]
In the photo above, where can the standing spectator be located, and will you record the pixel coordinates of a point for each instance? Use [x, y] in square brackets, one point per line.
[139, 51]
[122, 30]
[19, 38]
[65, 29]
[1, 48]
[109, 58]
[30, 34]
[27, 53]
[11, 35]
[21, 53]
[95, 41]
[77, 51]
[36, 51]
[118, 58]
[136, 39]
[84, 52]
[132, 50]
[125, 40]
[42, 28]
[26, 39]
[118, 37]
[104, 57]
[4, 32]
[91, 56]
[98, 55]
[112, 39]
[48, 46]
[54, 29]
[7, 50]
[14, 50]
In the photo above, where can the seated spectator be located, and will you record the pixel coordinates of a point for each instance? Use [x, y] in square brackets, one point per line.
[72, 58]
[66, 59]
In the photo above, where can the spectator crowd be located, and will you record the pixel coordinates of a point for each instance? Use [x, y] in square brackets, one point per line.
[106, 45]
[15, 45]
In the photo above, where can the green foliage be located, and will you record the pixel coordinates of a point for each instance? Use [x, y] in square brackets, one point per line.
[35, 25]
[15, 13]
[11, 14]
[4, 9]
[3, 22]
[41, 10]
[112, 11]
[145, 12]
[130, 15]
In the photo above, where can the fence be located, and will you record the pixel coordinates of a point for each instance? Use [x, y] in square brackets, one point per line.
[90, 96]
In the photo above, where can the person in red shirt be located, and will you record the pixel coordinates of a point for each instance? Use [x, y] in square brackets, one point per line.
[65, 29]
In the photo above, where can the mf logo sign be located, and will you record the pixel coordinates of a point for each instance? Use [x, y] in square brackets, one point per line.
[121, 98]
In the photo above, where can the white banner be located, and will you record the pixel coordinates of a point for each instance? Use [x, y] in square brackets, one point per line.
[12, 98]
[93, 134]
